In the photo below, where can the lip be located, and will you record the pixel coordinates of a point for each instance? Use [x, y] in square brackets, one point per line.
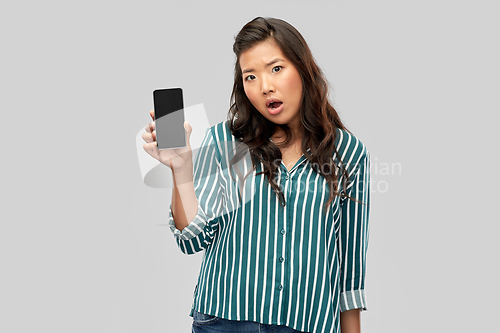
[271, 100]
[271, 110]
[275, 111]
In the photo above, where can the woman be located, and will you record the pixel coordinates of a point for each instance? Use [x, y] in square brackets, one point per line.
[285, 244]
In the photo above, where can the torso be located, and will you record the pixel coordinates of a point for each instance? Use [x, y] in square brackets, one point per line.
[291, 155]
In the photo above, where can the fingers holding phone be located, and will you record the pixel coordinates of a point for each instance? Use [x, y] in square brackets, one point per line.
[167, 136]
[149, 135]
[177, 159]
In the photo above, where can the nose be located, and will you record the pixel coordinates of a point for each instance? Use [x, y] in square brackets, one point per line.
[267, 85]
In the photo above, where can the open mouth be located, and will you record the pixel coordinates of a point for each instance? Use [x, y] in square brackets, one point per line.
[275, 105]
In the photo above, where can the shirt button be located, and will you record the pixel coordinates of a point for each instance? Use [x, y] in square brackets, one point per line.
[280, 287]
[282, 231]
[282, 259]
[286, 177]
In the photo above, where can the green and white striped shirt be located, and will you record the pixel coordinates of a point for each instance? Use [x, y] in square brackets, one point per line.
[292, 265]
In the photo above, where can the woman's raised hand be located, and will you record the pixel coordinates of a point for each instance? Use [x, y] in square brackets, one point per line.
[177, 159]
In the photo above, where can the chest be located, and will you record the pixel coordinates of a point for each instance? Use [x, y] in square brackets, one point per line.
[290, 156]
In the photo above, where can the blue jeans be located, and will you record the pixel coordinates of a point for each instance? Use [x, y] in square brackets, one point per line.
[203, 323]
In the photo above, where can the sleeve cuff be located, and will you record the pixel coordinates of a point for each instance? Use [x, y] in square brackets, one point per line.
[352, 299]
[192, 230]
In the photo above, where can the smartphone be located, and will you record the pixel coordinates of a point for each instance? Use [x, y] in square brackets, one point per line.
[169, 118]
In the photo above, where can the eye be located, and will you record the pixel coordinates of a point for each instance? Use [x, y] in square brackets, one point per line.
[279, 67]
[248, 77]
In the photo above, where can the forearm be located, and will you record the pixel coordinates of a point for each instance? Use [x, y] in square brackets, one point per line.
[184, 201]
[350, 321]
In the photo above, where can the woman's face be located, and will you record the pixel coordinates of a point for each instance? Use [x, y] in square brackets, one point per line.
[269, 77]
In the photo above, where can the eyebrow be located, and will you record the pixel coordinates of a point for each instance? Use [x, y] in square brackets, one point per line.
[267, 65]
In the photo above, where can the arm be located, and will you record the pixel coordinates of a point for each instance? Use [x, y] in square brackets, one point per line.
[350, 321]
[184, 201]
[353, 241]
[196, 223]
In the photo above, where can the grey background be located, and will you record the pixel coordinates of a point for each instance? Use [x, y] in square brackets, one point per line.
[82, 245]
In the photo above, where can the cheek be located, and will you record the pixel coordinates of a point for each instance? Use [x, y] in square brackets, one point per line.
[298, 82]
[250, 94]
[295, 85]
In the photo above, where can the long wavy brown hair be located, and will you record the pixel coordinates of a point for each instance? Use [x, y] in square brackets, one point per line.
[318, 117]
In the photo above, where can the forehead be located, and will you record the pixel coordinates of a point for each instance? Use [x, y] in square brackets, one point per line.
[260, 54]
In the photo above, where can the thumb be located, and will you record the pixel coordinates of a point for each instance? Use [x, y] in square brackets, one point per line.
[189, 130]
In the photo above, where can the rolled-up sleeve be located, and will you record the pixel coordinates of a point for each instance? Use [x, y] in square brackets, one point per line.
[198, 234]
[353, 237]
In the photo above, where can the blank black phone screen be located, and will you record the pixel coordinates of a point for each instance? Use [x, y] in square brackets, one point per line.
[169, 118]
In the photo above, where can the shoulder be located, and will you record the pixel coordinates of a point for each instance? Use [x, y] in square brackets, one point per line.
[221, 132]
[221, 137]
[350, 148]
